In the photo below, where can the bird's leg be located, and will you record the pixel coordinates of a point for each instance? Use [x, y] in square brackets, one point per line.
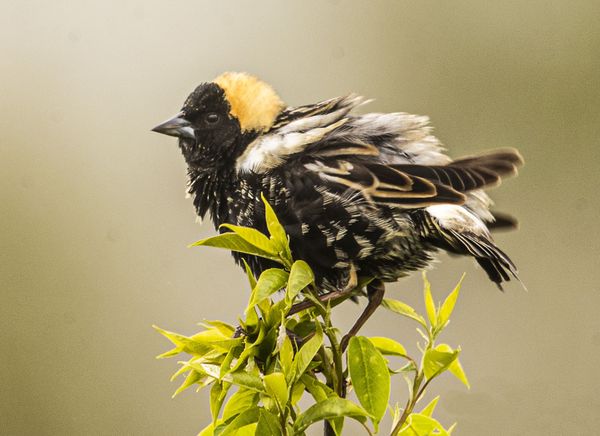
[335, 295]
[339, 296]
[375, 292]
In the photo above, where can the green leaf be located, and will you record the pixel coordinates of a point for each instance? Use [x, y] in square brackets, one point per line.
[403, 309]
[217, 396]
[265, 307]
[276, 311]
[286, 356]
[269, 282]
[270, 404]
[276, 230]
[396, 413]
[297, 393]
[300, 277]
[251, 321]
[241, 378]
[247, 430]
[370, 377]
[277, 388]
[268, 424]
[306, 327]
[268, 345]
[435, 361]
[254, 237]
[192, 378]
[214, 334]
[448, 305]
[455, 367]
[235, 242]
[428, 410]
[184, 368]
[388, 346]
[224, 328]
[306, 354]
[337, 424]
[203, 368]
[408, 367]
[429, 304]
[241, 400]
[249, 351]
[172, 352]
[207, 431]
[319, 391]
[251, 278]
[221, 346]
[421, 425]
[246, 379]
[185, 344]
[329, 409]
[245, 418]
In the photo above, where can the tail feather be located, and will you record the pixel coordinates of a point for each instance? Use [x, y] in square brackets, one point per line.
[490, 257]
[469, 173]
[494, 271]
[458, 231]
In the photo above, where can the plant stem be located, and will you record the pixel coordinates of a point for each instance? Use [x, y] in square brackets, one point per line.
[410, 404]
[337, 358]
[327, 369]
[328, 429]
[333, 370]
[417, 390]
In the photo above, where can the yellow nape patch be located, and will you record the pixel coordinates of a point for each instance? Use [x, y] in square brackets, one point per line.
[253, 102]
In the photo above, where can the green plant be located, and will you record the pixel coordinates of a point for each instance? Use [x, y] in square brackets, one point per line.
[259, 371]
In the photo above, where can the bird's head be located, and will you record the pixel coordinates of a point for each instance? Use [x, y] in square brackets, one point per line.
[220, 118]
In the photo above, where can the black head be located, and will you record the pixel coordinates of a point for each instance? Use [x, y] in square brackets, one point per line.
[219, 119]
[206, 130]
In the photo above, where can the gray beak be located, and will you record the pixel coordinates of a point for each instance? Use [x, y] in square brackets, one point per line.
[176, 126]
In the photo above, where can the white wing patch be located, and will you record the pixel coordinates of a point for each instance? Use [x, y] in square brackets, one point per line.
[458, 218]
[269, 150]
[479, 203]
[410, 140]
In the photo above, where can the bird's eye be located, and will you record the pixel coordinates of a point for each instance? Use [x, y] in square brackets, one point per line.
[212, 118]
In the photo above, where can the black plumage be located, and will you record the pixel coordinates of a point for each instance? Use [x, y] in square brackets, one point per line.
[368, 194]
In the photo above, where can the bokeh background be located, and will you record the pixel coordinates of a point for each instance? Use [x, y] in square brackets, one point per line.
[95, 224]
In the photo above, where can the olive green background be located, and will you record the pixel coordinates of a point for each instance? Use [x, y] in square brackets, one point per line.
[95, 223]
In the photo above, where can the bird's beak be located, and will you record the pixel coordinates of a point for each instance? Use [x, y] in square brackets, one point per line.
[176, 126]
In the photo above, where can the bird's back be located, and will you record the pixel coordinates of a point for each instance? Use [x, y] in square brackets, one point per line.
[372, 192]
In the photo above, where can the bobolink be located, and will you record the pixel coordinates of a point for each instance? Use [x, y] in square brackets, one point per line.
[359, 195]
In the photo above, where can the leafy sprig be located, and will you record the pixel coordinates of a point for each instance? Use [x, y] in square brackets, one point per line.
[259, 371]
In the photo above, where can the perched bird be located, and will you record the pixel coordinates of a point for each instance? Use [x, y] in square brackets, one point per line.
[369, 195]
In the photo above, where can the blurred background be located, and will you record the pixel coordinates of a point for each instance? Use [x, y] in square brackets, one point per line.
[95, 224]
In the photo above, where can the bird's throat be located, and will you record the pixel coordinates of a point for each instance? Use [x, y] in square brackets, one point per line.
[210, 189]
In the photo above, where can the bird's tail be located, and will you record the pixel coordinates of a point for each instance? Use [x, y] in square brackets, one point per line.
[456, 230]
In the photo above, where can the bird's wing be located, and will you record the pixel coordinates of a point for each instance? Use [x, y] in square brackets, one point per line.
[296, 131]
[329, 129]
[414, 185]
[389, 158]
[312, 114]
